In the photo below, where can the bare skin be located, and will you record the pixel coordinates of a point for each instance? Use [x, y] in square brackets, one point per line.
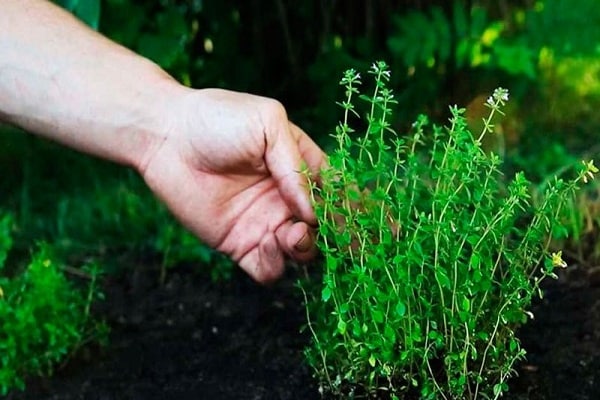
[225, 163]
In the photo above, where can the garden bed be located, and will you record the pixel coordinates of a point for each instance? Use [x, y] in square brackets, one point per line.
[194, 339]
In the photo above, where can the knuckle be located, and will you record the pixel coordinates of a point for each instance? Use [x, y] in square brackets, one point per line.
[274, 109]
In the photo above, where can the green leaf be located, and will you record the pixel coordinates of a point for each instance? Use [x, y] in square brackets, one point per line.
[378, 316]
[331, 263]
[326, 293]
[442, 278]
[474, 261]
[497, 389]
[474, 353]
[418, 248]
[372, 360]
[473, 239]
[389, 333]
[341, 327]
[356, 331]
[344, 308]
[465, 304]
[400, 309]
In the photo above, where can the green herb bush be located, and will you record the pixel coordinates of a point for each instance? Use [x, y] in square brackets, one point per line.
[43, 316]
[432, 258]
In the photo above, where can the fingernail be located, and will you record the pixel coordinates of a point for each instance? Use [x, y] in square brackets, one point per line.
[304, 244]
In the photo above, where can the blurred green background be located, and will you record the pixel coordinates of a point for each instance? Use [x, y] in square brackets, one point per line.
[441, 52]
[547, 53]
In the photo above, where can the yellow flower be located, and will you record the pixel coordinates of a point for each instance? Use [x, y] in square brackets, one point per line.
[1, 292]
[557, 260]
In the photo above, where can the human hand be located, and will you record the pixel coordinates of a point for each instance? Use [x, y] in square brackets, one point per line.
[225, 163]
[229, 167]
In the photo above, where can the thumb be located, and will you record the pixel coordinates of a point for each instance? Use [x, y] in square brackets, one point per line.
[285, 164]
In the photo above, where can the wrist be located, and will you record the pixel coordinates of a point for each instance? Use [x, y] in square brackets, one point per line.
[156, 107]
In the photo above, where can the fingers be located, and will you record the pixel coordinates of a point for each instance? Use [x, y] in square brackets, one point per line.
[297, 240]
[288, 149]
[284, 162]
[264, 264]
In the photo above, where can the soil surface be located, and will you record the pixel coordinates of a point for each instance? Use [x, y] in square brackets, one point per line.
[194, 339]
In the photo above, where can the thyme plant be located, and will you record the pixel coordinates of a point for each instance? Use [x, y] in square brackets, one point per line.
[44, 317]
[431, 258]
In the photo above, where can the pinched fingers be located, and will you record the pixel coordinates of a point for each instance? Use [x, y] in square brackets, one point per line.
[288, 151]
[297, 240]
[265, 263]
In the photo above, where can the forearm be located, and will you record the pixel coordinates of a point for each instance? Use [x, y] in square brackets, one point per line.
[64, 81]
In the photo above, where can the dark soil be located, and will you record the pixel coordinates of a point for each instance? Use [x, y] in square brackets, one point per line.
[194, 339]
[563, 342]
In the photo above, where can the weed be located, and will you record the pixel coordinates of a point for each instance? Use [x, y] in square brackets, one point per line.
[431, 257]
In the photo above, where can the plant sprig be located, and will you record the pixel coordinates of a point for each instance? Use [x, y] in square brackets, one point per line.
[431, 258]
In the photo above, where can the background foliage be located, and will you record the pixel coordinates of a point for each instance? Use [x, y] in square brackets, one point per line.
[546, 52]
